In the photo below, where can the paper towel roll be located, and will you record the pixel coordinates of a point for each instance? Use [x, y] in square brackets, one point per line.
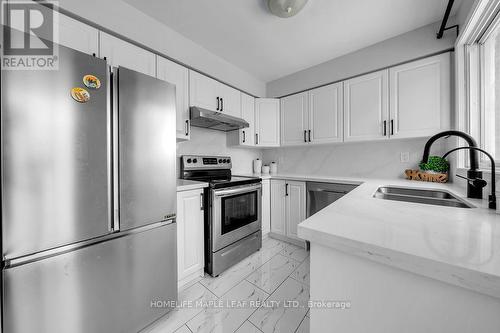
[257, 166]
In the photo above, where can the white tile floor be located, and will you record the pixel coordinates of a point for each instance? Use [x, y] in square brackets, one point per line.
[278, 272]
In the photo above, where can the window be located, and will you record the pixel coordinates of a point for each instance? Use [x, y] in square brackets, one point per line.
[489, 50]
[478, 80]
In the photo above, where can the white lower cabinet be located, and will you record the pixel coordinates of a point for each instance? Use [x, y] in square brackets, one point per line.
[295, 193]
[288, 207]
[266, 206]
[190, 238]
[278, 203]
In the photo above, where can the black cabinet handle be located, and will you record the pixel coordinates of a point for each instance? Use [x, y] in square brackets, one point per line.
[309, 135]
[286, 189]
[256, 138]
[218, 103]
[244, 137]
[222, 104]
[385, 127]
[305, 136]
[392, 126]
[187, 127]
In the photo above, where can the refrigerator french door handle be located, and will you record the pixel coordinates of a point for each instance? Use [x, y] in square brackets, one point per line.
[116, 190]
[109, 120]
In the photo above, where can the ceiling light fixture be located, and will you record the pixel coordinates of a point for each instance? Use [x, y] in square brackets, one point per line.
[286, 8]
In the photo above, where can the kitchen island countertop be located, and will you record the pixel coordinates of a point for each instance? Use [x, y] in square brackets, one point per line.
[459, 246]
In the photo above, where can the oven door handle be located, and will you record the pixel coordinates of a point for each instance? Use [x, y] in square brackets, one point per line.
[238, 190]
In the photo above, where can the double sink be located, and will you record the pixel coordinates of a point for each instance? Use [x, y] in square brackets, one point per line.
[421, 196]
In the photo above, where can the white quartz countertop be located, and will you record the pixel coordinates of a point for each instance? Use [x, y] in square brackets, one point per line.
[187, 185]
[459, 246]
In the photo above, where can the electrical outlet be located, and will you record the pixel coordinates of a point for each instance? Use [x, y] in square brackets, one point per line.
[405, 157]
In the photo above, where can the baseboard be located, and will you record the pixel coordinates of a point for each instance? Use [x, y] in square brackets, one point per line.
[300, 243]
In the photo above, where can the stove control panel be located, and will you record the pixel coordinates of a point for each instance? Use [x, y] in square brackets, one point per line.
[205, 162]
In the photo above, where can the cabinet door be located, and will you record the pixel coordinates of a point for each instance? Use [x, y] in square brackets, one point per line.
[278, 206]
[267, 122]
[266, 206]
[366, 107]
[420, 97]
[295, 207]
[203, 91]
[231, 100]
[189, 233]
[326, 114]
[171, 72]
[247, 135]
[72, 33]
[78, 36]
[121, 53]
[294, 120]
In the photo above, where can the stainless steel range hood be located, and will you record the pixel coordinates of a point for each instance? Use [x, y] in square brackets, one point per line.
[215, 120]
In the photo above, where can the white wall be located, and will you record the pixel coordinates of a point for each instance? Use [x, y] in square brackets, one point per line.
[408, 46]
[365, 160]
[464, 10]
[127, 21]
[210, 142]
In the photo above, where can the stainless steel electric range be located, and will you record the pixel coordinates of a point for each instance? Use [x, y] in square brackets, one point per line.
[233, 211]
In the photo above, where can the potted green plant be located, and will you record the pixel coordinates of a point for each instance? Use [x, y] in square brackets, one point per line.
[435, 164]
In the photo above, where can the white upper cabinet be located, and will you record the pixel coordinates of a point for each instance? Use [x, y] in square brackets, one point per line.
[326, 114]
[78, 36]
[203, 91]
[121, 53]
[294, 119]
[366, 107]
[212, 95]
[420, 97]
[247, 135]
[230, 100]
[267, 122]
[176, 74]
[313, 117]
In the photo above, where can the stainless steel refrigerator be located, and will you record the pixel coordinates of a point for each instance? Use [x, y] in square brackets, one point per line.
[88, 198]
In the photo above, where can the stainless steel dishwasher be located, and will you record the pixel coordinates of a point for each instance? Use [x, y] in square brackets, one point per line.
[320, 195]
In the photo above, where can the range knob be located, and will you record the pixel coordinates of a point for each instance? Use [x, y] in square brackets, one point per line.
[228, 160]
[225, 161]
[189, 160]
[195, 160]
[220, 160]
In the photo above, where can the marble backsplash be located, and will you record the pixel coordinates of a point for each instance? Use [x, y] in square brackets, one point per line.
[379, 159]
[210, 142]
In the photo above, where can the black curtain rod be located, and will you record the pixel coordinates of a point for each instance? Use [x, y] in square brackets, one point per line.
[443, 27]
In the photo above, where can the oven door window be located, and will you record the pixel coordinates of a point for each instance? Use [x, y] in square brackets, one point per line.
[238, 211]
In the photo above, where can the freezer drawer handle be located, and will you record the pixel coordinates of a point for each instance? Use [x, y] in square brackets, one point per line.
[187, 127]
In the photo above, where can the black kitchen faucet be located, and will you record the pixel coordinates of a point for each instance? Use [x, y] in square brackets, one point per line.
[475, 182]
